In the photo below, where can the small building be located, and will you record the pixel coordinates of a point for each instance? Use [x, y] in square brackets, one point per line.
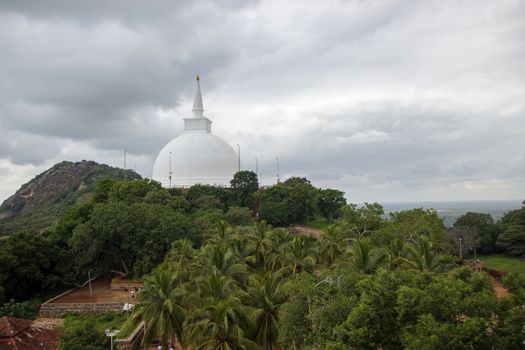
[19, 334]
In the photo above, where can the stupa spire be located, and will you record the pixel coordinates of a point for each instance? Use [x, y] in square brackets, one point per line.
[197, 109]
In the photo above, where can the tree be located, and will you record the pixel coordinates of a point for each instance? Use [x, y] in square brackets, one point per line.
[484, 224]
[298, 255]
[223, 260]
[259, 242]
[131, 191]
[302, 198]
[224, 195]
[208, 203]
[239, 216]
[514, 217]
[277, 208]
[409, 225]
[512, 240]
[364, 220]
[84, 336]
[245, 183]
[27, 265]
[162, 307]
[127, 238]
[330, 202]
[276, 213]
[364, 257]
[264, 297]
[330, 245]
[296, 180]
[218, 320]
[422, 256]
[219, 325]
[465, 239]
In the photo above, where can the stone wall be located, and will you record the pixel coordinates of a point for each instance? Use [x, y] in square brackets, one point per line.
[125, 285]
[60, 309]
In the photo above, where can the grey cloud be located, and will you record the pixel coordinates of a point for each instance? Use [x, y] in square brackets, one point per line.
[369, 96]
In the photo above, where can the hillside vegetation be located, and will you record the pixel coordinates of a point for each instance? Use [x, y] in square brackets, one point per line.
[223, 270]
[40, 202]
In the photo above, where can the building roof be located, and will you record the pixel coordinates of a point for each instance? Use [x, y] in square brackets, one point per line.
[16, 334]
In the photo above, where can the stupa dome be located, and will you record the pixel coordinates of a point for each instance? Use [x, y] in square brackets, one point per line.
[197, 156]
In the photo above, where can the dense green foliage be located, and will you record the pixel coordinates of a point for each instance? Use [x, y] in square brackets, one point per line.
[391, 310]
[128, 226]
[244, 185]
[27, 309]
[265, 288]
[485, 227]
[27, 264]
[87, 332]
[507, 235]
[215, 278]
[297, 201]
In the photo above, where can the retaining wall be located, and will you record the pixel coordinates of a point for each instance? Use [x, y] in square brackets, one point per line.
[57, 310]
[133, 342]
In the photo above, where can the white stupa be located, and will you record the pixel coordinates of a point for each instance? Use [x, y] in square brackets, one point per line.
[197, 156]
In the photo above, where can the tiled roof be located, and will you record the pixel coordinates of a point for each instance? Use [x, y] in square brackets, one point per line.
[18, 334]
[10, 326]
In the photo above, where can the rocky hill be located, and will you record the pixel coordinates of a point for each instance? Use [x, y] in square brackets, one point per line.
[40, 202]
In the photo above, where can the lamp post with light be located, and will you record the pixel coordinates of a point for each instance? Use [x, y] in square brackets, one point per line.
[278, 179]
[239, 156]
[112, 333]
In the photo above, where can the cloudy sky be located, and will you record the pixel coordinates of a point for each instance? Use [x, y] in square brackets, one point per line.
[387, 100]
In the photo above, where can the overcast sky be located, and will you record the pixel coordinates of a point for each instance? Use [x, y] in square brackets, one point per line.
[386, 100]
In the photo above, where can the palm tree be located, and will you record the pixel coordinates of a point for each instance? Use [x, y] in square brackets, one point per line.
[298, 255]
[222, 234]
[364, 256]
[397, 252]
[330, 247]
[224, 260]
[274, 257]
[264, 296]
[422, 256]
[259, 242]
[181, 251]
[215, 286]
[220, 324]
[161, 307]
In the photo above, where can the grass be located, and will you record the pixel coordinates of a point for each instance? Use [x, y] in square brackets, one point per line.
[317, 222]
[503, 263]
[127, 328]
[109, 320]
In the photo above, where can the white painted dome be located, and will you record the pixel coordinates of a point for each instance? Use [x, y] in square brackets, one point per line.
[197, 156]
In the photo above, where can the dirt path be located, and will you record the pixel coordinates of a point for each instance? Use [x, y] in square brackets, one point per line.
[101, 293]
[501, 291]
[307, 231]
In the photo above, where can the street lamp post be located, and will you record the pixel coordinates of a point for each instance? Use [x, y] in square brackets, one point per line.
[278, 179]
[239, 156]
[460, 248]
[170, 172]
[125, 151]
[112, 333]
[89, 280]
[257, 168]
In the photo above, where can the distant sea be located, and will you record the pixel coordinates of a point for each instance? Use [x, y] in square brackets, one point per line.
[450, 211]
